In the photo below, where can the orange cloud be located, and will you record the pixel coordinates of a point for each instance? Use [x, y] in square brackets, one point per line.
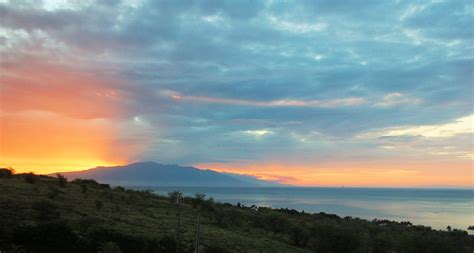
[32, 85]
[54, 118]
[351, 101]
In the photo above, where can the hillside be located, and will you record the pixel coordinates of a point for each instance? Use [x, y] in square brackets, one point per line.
[154, 174]
[47, 214]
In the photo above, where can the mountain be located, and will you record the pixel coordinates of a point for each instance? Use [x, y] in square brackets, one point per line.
[254, 180]
[154, 174]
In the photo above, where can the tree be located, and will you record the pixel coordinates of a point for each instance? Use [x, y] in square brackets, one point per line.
[168, 244]
[299, 235]
[84, 187]
[174, 196]
[30, 178]
[6, 172]
[46, 210]
[62, 180]
[109, 247]
[98, 204]
[276, 222]
[198, 199]
[54, 192]
[46, 237]
[17, 249]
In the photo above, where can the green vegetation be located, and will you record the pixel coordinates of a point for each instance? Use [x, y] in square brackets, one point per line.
[50, 214]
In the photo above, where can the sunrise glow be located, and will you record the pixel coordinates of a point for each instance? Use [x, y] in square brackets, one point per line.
[295, 95]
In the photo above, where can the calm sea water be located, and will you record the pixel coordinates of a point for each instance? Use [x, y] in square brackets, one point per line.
[437, 208]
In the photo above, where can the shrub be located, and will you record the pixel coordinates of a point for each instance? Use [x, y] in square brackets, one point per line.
[17, 249]
[30, 178]
[54, 192]
[276, 222]
[215, 249]
[84, 188]
[45, 210]
[6, 172]
[105, 186]
[299, 235]
[120, 189]
[198, 199]
[89, 182]
[109, 247]
[62, 180]
[175, 197]
[127, 242]
[168, 244]
[98, 204]
[46, 237]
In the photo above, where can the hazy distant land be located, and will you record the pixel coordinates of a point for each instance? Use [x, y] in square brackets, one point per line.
[154, 174]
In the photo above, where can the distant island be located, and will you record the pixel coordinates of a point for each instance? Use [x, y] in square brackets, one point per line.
[154, 174]
[52, 214]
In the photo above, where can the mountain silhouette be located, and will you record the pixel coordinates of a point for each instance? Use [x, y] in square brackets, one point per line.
[154, 174]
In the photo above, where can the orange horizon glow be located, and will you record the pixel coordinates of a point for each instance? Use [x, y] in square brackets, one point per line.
[337, 175]
[67, 120]
[44, 143]
[57, 119]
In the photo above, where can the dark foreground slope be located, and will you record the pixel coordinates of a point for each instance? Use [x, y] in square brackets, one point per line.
[46, 214]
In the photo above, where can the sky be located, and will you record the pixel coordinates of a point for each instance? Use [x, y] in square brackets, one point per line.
[310, 93]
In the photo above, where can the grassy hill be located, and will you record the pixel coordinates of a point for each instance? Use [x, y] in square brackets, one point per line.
[47, 214]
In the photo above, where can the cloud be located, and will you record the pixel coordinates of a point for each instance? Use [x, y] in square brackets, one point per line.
[393, 99]
[440, 142]
[274, 103]
[42, 86]
[296, 27]
[462, 125]
[257, 133]
[183, 78]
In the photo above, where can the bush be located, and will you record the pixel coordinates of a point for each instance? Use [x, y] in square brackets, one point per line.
[276, 222]
[215, 249]
[46, 237]
[6, 172]
[62, 180]
[45, 210]
[54, 192]
[126, 242]
[175, 197]
[84, 188]
[198, 199]
[109, 247]
[168, 244]
[120, 189]
[299, 235]
[105, 186]
[30, 178]
[89, 182]
[17, 249]
[98, 204]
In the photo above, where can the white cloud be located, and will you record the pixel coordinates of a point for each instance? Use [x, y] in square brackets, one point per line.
[296, 27]
[328, 103]
[464, 125]
[393, 99]
[257, 133]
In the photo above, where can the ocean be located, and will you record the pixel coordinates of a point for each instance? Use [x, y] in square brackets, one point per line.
[437, 208]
